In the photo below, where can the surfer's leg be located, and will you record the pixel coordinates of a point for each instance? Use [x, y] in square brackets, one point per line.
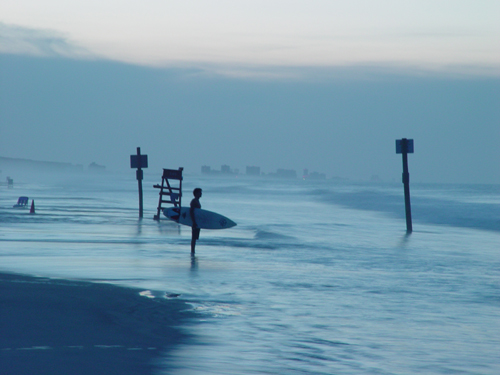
[195, 234]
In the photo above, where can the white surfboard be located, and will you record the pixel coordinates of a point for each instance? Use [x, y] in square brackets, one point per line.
[204, 218]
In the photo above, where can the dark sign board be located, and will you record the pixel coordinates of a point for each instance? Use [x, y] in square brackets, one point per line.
[174, 174]
[400, 145]
[138, 161]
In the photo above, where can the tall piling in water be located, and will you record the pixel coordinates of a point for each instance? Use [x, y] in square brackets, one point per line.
[139, 161]
[405, 146]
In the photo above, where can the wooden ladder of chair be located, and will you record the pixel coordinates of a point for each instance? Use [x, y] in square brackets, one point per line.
[169, 194]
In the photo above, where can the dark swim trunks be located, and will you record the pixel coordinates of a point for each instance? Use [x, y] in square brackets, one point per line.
[195, 233]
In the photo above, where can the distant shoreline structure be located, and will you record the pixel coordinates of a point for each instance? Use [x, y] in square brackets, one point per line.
[255, 171]
[38, 165]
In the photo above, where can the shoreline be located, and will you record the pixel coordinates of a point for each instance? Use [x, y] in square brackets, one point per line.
[58, 326]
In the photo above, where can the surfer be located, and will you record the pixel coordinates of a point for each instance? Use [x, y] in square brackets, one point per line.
[195, 230]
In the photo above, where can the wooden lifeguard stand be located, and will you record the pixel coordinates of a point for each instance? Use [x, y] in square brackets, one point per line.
[169, 194]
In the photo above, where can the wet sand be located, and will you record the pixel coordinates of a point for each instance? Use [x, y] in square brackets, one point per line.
[55, 327]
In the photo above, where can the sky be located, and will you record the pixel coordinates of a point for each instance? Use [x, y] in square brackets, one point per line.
[323, 85]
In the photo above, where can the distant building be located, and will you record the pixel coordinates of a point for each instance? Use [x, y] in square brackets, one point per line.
[253, 171]
[96, 167]
[286, 173]
[313, 175]
[225, 169]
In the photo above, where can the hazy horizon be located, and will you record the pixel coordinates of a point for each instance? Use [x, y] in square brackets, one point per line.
[327, 86]
[58, 109]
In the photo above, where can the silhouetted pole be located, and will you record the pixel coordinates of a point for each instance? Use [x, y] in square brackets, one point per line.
[405, 146]
[139, 161]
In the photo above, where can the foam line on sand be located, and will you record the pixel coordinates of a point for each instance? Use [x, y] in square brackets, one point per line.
[50, 326]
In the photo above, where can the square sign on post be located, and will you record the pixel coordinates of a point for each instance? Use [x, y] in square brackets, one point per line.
[400, 146]
[138, 161]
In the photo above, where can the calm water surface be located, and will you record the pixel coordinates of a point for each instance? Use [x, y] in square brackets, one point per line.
[317, 278]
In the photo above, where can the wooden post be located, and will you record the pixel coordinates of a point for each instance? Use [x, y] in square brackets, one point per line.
[405, 146]
[139, 161]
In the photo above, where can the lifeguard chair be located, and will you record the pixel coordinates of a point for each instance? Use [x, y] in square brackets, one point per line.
[169, 194]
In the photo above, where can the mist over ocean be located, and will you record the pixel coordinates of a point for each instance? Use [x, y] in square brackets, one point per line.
[318, 277]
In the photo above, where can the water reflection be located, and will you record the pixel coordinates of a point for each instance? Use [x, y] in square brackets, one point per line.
[139, 228]
[404, 241]
[194, 264]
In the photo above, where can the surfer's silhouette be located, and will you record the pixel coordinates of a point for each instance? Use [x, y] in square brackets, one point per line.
[195, 230]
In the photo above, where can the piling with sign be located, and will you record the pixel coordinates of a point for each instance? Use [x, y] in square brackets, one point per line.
[139, 161]
[405, 146]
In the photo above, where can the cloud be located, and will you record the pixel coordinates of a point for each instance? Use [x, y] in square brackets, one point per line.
[255, 63]
[20, 40]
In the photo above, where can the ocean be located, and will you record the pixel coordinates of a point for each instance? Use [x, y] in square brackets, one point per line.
[318, 277]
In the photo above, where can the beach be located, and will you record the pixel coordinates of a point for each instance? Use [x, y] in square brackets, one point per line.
[55, 326]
